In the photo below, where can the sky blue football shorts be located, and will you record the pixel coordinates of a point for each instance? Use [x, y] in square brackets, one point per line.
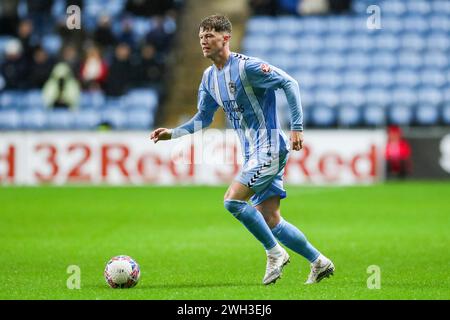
[264, 175]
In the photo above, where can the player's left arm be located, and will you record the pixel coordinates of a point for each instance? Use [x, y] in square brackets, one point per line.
[263, 75]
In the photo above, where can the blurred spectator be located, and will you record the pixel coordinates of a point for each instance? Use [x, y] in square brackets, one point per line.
[103, 35]
[27, 39]
[159, 36]
[311, 7]
[15, 68]
[149, 71]
[127, 36]
[8, 17]
[41, 68]
[119, 75]
[69, 55]
[40, 13]
[291, 6]
[263, 7]
[61, 90]
[398, 154]
[150, 8]
[93, 69]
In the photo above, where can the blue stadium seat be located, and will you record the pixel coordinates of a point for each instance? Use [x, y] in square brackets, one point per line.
[418, 7]
[258, 43]
[326, 97]
[262, 25]
[362, 41]
[142, 98]
[349, 116]
[355, 78]
[60, 119]
[51, 43]
[139, 119]
[441, 6]
[404, 96]
[351, 96]
[392, 24]
[378, 96]
[289, 25]
[433, 77]
[308, 61]
[415, 23]
[328, 79]
[406, 77]
[141, 27]
[33, 99]
[89, 100]
[412, 41]
[431, 95]
[435, 59]
[314, 25]
[383, 59]
[11, 99]
[332, 60]
[400, 115]
[115, 117]
[386, 41]
[374, 115]
[87, 119]
[379, 77]
[358, 59]
[438, 41]
[397, 8]
[427, 114]
[312, 42]
[34, 119]
[335, 43]
[440, 22]
[9, 119]
[323, 116]
[409, 59]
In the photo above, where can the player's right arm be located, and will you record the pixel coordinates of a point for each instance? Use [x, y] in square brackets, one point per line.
[202, 119]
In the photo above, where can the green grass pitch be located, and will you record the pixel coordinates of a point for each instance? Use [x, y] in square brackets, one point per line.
[189, 247]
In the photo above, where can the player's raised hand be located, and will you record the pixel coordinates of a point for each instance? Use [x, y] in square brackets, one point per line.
[161, 134]
[296, 140]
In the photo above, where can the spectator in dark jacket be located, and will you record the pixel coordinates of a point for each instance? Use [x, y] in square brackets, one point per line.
[120, 74]
[103, 35]
[15, 68]
[149, 70]
[41, 68]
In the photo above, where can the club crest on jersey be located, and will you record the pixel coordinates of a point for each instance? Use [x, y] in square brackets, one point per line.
[232, 87]
[265, 67]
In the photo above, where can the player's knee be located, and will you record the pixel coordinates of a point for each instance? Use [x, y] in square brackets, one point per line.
[235, 207]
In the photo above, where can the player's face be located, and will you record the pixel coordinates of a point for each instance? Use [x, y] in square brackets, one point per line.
[212, 42]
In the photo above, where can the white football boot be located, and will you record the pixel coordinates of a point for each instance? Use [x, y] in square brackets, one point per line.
[321, 268]
[274, 267]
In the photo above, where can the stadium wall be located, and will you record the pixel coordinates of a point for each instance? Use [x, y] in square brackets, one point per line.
[208, 157]
[430, 157]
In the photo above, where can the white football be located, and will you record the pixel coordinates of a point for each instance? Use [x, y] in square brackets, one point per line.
[122, 272]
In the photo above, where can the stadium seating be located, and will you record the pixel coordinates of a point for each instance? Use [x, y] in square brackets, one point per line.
[135, 110]
[352, 76]
[26, 111]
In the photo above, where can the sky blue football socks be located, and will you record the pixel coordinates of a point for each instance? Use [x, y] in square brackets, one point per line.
[295, 240]
[253, 220]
